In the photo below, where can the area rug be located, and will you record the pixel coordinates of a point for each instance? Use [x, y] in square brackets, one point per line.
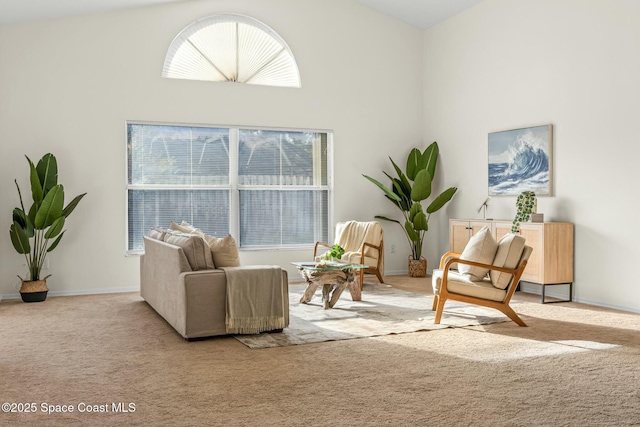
[383, 310]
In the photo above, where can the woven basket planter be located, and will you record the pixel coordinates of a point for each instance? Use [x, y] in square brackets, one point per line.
[34, 290]
[417, 267]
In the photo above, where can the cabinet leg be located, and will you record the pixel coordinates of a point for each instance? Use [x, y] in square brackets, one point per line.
[562, 300]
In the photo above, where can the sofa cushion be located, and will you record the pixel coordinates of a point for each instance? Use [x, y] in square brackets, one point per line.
[194, 248]
[184, 227]
[481, 248]
[157, 233]
[224, 250]
[509, 252]
[187, 228]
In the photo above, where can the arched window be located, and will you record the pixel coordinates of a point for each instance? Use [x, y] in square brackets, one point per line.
[233, 48]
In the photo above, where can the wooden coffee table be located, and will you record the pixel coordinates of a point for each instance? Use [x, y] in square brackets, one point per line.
[334, 278]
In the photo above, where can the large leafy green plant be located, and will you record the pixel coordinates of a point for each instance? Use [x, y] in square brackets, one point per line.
[33, 229]
[410, 189]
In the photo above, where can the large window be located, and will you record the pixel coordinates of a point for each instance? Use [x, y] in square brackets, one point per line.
[268, 188]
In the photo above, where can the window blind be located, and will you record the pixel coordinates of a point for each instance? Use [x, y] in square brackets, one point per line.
[234, 48]
[268, 188]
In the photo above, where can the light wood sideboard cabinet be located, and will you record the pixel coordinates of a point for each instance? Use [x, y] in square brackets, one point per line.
[461, 230]
[550, 263]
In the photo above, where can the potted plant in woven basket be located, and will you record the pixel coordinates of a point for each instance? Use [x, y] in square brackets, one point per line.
[38, 230]
[407, 192]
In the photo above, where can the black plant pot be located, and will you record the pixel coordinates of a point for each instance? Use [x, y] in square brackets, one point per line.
[34, 296]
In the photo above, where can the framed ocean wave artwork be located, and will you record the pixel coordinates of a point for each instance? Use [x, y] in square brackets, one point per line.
[520, 160]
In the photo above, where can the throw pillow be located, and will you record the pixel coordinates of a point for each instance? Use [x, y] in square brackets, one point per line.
[510, 249]
[224, 250]
[481, 248]
[184, 227]
[157, 233]
[195, 249]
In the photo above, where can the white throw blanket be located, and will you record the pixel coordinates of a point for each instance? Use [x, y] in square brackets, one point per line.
[255, 301]
[351, 235]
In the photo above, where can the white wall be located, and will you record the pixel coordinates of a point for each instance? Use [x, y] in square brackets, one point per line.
[67, 86]
[505, 64]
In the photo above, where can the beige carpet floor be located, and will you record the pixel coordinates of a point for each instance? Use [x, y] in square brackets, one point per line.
[575, 365]
[382, 310]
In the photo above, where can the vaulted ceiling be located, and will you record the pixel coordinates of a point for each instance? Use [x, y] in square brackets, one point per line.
[419, 13]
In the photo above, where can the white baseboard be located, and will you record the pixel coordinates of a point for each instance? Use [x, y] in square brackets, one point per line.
[397, 273]
[78, 292]
[552, 291]
[612, 306]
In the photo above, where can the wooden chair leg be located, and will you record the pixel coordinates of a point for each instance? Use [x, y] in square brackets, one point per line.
[361, 278]
[380, 278]
[439, 310]
[435, 302]
[512, 315]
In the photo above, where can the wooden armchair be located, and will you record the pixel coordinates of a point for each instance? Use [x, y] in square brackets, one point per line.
[363, 243]
[451, 285]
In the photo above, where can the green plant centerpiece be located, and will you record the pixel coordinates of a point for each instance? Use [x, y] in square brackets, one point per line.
[408, 190]
[526, 204]
[38, 230]
[336, 252]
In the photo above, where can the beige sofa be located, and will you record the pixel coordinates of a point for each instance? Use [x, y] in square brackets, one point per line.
[193, 302]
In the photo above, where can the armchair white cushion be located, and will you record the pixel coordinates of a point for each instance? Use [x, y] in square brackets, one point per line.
[481, 248]
[508, 255]
[461, 284]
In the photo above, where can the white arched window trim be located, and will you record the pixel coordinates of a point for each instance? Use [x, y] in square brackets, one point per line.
[233, 48]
